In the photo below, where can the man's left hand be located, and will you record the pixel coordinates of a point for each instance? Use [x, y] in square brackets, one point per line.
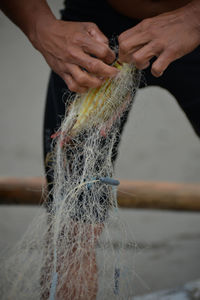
[168, 37]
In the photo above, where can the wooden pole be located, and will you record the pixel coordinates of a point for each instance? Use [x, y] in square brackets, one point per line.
[159, 195]
[131, 194]
[27, 191]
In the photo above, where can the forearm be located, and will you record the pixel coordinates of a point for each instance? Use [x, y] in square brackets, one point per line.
[28, 15]
[141, 10]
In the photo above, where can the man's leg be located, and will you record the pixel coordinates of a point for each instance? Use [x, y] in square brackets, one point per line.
[80, 280]
[84, 235]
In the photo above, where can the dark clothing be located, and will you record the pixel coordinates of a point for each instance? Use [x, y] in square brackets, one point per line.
[181, 78]
[99, 12]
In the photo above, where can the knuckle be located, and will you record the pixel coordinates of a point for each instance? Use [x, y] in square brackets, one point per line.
[106, 39]
[155, 50]
[123, 47]
[71, 85]
[93, 66]
[137, 59]
[98, 83]
[77, 38]
[74, 89]
[104, 52]
[158, 45]
[80, 78]
[172, 51]
[95, 82]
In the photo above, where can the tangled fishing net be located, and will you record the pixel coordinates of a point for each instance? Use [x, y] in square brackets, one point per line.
[70, 250]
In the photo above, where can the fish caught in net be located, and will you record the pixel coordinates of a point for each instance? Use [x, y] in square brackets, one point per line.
[70, 251]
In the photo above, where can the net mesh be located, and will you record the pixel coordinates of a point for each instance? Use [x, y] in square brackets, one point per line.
[70, 251]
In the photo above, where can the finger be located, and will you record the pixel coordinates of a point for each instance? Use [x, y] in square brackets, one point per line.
[132, 31]
[96, 33]
[84, 79]
[127, 57]
[100, 50]
[73, 86]
[81, 77]
[132, 44]
[162, 62]
[142, 57]
[95, 66]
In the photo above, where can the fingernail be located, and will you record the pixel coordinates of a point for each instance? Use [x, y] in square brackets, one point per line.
[156, 74]
[159, 74]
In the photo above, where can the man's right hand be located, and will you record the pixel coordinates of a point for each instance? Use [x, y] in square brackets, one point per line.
[77, 51]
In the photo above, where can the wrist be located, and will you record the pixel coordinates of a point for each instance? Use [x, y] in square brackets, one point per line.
[39, 27]
[192, 15]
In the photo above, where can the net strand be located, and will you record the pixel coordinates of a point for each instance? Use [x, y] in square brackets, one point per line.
[75, 248]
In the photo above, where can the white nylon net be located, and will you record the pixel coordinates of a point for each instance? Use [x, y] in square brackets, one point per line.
[70, 250]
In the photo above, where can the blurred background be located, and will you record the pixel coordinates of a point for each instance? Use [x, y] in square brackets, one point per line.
[158, 144]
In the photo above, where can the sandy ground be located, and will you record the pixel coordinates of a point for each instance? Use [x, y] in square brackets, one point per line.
[158, 144]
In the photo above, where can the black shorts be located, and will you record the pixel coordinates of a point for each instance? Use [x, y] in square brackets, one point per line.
[181, 78]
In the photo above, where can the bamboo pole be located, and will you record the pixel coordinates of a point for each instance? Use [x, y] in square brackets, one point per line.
[131, 194]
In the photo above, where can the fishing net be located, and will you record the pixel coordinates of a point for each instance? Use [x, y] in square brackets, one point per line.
[75, 248]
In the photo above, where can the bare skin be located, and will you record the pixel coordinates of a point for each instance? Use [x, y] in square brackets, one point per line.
[167, 36]
[140, 10]
[85, 238]
[169, 30]
[68, 47]
[86, 273]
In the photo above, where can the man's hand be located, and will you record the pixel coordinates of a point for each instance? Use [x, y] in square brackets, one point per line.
[77, 51]
[168, 37]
